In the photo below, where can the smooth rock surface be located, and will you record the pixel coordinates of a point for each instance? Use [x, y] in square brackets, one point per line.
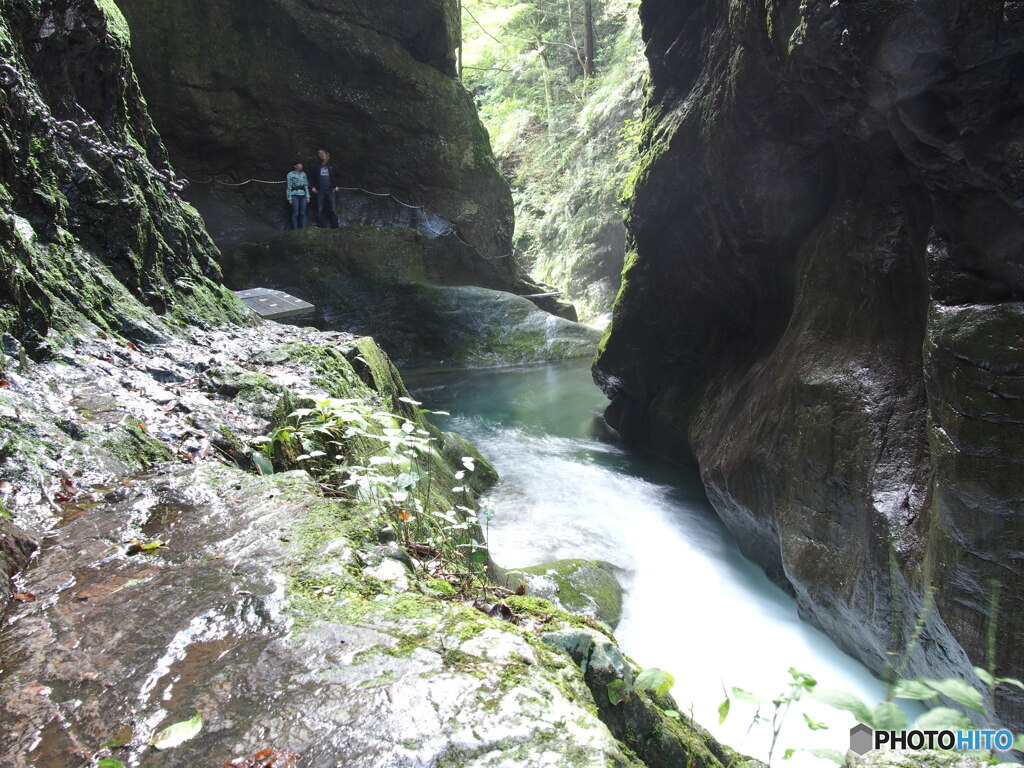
[823, 308]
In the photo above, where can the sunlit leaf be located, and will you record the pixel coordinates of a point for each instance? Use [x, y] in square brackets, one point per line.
[617, 692]
[960, 692]
[834, 755]
[788, 754]
[887, 716]
[813, 724]
[1010, 681]
[943, 719]
[802, 679]
[745, 696]
[844, 701]
[673, 714]
[177, 734]
[912, 689]
[653, 679]
[723, 710]
[985, 676]
[109, 762]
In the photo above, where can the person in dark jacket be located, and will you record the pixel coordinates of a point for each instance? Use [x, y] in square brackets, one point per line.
[325, 181]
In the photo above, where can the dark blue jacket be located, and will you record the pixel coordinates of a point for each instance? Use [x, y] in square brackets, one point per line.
[314, 174]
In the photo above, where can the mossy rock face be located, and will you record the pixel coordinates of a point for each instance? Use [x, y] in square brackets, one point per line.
[87, 240]
[638, 717]
[586, 587]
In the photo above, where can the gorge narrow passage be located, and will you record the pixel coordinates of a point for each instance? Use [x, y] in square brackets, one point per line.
[693, 604]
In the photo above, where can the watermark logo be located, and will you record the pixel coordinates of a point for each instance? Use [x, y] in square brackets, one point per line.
[863, 739]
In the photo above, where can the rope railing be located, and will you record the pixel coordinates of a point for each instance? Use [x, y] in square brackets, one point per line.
[78, 132]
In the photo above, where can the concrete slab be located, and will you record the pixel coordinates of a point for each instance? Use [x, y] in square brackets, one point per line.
[274, 305]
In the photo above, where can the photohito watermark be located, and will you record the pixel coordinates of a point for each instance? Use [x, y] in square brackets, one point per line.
[863, 739]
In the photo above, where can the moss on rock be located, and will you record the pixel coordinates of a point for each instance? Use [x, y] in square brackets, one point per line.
[587, 587]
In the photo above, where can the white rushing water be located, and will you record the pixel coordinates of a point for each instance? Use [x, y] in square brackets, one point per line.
[693, 605]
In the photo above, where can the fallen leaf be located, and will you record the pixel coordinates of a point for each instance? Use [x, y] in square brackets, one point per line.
[147, 547]
[404, 516]
[132, 583]
[24, 597]
[5, 383]
[177, 734]
[521, 589]
[267, 758]
[123, 736]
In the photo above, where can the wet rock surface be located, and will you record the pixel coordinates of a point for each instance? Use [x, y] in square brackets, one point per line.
[822, 308]
[171, 580]
[407, 290]
[119, 641]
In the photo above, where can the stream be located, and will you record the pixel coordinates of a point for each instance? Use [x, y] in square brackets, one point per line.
[693, 604]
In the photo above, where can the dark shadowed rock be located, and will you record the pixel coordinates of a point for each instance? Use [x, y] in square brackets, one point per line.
[16, 547]
[823, 307]
[239, 89]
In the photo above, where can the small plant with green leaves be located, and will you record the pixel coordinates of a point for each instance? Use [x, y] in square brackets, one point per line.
[391, 465]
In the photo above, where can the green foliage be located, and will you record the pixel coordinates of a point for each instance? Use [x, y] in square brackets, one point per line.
[618, 692]
[655, 680]
[565, 141]
[390, 464]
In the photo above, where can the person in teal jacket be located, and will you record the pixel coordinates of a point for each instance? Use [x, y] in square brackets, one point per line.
[297, 193]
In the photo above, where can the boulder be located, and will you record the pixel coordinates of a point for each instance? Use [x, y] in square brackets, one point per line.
[584, 587]
[396, 285]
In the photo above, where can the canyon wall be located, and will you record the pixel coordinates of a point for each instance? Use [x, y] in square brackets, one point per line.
[823, 309]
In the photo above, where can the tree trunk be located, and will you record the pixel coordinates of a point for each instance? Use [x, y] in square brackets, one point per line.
[549, 92]
[588, 38]
[461, 40]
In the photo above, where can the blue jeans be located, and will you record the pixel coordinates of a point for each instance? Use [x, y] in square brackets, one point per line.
[299, 212]
[325, 199]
